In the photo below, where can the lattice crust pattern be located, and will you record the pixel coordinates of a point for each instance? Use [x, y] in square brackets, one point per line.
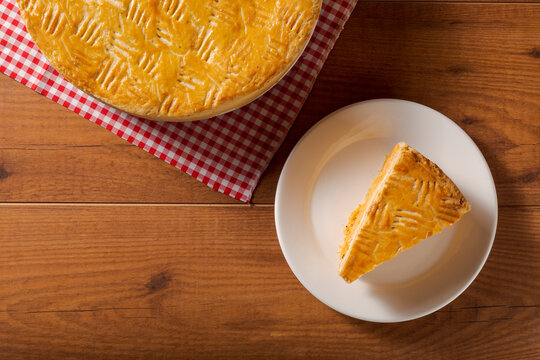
[411, 200]
[171, 59]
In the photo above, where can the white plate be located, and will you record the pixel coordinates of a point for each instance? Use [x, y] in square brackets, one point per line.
[328, 174]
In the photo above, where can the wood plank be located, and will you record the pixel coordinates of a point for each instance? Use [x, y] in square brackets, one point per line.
[122, 282]
[50, 154]
[477, 63]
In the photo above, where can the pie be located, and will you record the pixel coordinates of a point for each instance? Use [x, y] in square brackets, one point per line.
[410, 200]
[171, 60]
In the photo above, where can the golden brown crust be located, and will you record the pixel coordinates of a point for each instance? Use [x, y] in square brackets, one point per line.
[173, 60]
[410, 200]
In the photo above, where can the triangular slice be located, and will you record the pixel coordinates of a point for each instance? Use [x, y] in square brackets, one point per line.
[409, 201]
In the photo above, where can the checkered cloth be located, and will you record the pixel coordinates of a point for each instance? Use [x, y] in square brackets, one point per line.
[228, 153]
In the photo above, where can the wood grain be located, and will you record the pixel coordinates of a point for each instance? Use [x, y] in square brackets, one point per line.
[119, 282]
[477, 63]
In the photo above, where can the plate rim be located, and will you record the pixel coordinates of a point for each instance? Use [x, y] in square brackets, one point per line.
[280, 190]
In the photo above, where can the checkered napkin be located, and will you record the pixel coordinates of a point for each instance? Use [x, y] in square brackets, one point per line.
[228, 153]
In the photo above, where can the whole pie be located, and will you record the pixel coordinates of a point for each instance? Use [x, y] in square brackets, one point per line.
[411, 200]
[173, 60]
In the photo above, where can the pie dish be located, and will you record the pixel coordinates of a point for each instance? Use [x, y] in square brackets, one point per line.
[411, 200]
[172, 60]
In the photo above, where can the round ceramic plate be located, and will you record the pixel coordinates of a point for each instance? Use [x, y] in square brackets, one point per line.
[328, 174]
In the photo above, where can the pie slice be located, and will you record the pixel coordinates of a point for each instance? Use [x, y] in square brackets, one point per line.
[410, 200]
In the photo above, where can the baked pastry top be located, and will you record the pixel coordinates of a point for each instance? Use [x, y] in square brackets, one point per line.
[410, 200]
[174, 60]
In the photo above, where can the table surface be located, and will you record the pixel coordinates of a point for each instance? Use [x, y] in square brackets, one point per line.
[108, 252]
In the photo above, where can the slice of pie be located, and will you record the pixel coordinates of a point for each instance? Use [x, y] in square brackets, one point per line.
[410, 200]
[172, 60]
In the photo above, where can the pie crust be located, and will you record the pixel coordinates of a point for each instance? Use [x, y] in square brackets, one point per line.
[172, 60]
[411, 200]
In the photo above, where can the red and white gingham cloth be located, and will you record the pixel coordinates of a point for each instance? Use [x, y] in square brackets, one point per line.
[229, 153]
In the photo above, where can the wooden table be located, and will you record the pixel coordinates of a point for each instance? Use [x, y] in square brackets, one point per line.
[109, 253]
